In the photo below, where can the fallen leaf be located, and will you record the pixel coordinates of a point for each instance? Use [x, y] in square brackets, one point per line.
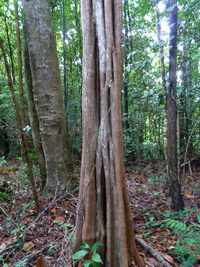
[189, 195]
[28, 246]
[41, 262]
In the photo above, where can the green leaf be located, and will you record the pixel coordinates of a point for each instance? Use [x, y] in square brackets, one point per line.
[96, 258]
[85, 245]
[87, 263]
[198, 218]
[79, 255]
[21, 263]
[96, 246]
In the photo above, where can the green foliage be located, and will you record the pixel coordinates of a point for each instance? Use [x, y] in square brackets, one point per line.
[4, 196]
[89, 255]
[22, 174]
[187, 247]
[182, 215]
[3, 161]
[3, 263]
[21, 263]
[151, 150]
[156, 180]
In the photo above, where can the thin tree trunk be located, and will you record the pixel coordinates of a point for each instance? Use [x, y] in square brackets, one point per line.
[33, 116]
[161, 50]
[183, 105]
[126, 62]
[47, 92]
[172, 159]
[19, 64]
[103, 212]
[64, 55]
[10, 49]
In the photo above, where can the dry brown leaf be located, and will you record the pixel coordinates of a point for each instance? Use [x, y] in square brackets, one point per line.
[41, 262]
[28, 246]
[189, 195]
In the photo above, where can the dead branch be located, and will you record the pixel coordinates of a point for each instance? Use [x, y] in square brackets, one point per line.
[156, 254]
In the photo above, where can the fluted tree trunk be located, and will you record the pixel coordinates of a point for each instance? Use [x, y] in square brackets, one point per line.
[103, 213]
[47, 91]
[172, 157]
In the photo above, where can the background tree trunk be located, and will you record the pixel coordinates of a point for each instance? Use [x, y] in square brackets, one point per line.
[126, 62]
[103, 212]
[48, 96]
[172, 159]
[64, 28]
[161, 49]
[9, 48]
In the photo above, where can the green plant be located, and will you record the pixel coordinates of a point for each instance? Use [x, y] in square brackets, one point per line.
[179, 215]
[150, 150]
[4, 264]
[3, 161]
[187, 247]
[4, 196]
[21, 263]
[89, 255]
[156, 180]
[22, 174]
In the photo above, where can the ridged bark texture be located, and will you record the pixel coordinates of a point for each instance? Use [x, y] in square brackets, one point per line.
[103, 213]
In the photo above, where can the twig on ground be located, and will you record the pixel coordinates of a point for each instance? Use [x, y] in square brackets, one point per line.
[157, 255]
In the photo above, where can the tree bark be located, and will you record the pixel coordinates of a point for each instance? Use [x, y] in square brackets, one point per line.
[33, 116]
[172, 159]
[19, 63]
[126, 62]
[161, 49]
[10, 49]
[103, 213]
[48, 96]
[64, 55]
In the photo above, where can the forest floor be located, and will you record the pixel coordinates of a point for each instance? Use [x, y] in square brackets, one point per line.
[26, 236]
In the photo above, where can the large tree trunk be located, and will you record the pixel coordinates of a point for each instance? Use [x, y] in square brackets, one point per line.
[103, 213]
[172, 159]
[48, 96]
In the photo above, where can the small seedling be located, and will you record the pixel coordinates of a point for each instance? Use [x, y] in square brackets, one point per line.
[89, 255]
